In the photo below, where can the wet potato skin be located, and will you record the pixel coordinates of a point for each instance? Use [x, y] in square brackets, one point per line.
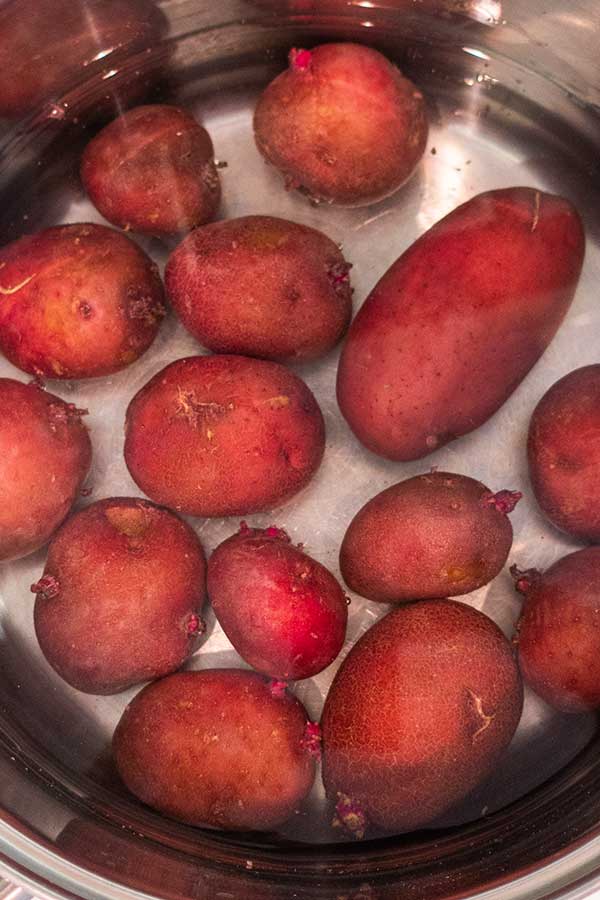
[216, 748]
[152, 170]
[342, 124]
[458, 320]
[45, 455]
[121, 595]
[433, 535]
[284, 612]
[564, 453]
[223, 435]
[261, 286]
[78, 301]
[419, 712]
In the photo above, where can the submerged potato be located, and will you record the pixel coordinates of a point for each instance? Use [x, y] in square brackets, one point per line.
[77, 301]
[558, 634]
[261, 286]
[342, 124]
[564, 453]
[418, 714]
[152, 170]
[223, 435]
[219, 747]
[433, 535]
[120, 597]
[45, 455]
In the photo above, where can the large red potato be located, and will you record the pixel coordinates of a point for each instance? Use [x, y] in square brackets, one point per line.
[342, 124]
[261, 286]
[458, 320]
[418, 714]
[152, 170]
[45, 455]
[564, 453]
[120, 597]
[558, 633]
[217, 747]
[223, 435]
[77, 301]
[434, 535]
[284, 612]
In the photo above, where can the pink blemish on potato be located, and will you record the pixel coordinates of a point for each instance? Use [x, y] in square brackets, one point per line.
[195, 625]
[278, 533]
[311, 742]
[277, 688]
[339, 275]
[350, 815]
[46, 588]
[503, 501]
[300, 60]
[66, 412]
[524, 578]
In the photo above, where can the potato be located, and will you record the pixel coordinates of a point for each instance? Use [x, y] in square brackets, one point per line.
[558, 633]
[564, 453]
[223, 436]
[77, 301]
[419, 713]
[261, 286]
[433, 535]
[217, 747]
[45, 44]
[152, 170]
[120, 597]
[284, 612]
[342, 124]
[45, 455]
[458, 320]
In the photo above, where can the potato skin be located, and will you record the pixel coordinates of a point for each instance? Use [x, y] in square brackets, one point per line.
[563, 450]
[152, 170]
[458, 320]
[261, 286]
[342, 124]
[45, 455]
[284, 612]
[433, 535]
[78, 301]
[558, 634]
[127, 582]
[223, 435]
[419, 712]
[216, 748]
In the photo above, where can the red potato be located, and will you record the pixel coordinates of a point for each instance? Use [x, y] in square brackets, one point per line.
[458, 320]
[564, 453]
[45, 45]
[152, 170]
[284, 612]
[120, 597]
[558, 633]
[77, 301]
[342, 124]
[45, 455]
[219, 748]
[261, 286]
[419, 713]
[433, 535]
[223, 436]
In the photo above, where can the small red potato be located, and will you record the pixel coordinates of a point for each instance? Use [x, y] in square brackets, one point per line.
[342, 124]
[458, 320]
[45, 455]
[564, 453]
[152, 170]
[261, 286]
[220, 747]
[77, 301]
[419, 713]
[223, 436]
[433, 535]
[284, 612]
[558, 634]
[120, 597]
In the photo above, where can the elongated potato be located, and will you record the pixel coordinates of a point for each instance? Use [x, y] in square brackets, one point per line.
[458, 320]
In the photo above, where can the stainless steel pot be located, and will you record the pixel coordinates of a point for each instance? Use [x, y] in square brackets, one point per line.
[514, 93]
